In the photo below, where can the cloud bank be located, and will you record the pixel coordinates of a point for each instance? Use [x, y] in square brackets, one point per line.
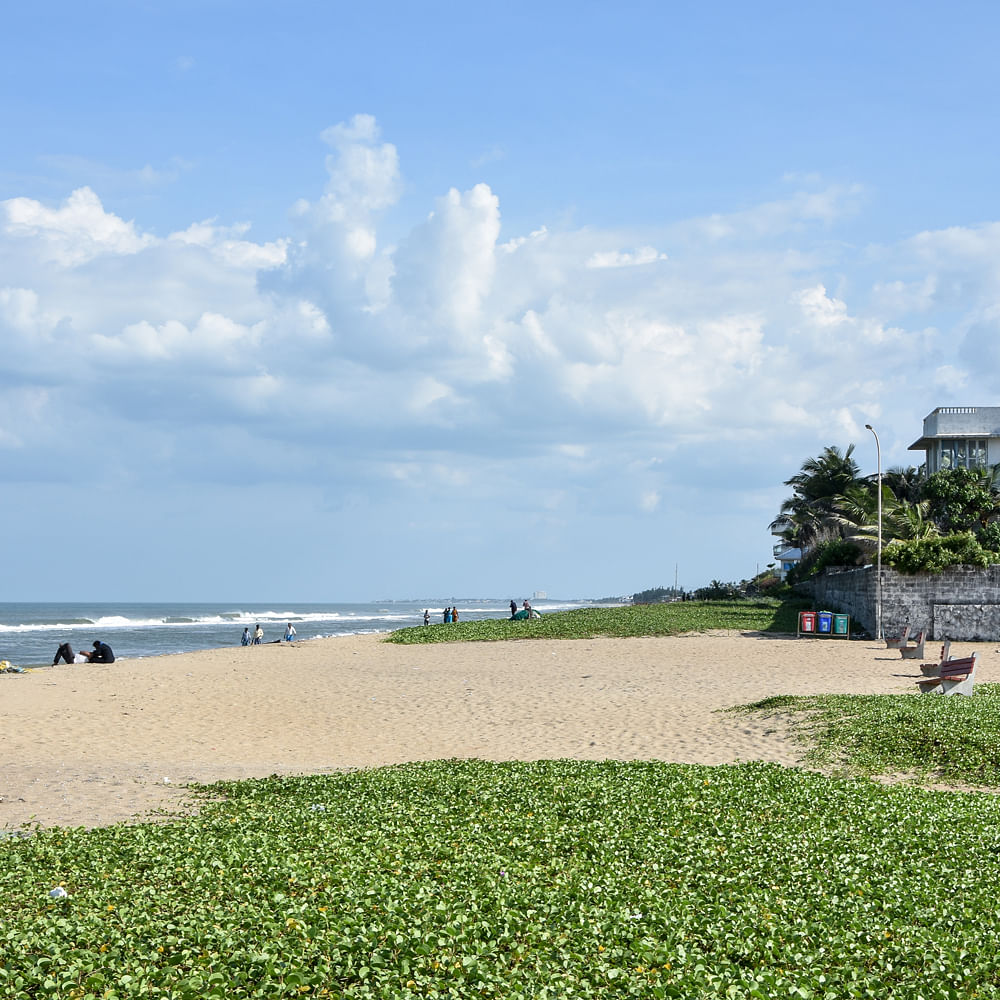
[688, 366]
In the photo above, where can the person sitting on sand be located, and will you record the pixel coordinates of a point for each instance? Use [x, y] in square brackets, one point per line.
[65, 652]
[102, 653]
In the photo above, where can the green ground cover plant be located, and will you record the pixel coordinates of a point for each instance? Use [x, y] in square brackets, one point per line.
[519, 880]
[954, 739]
[763, 615]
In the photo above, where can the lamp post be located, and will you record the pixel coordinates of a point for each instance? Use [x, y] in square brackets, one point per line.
[878, 567]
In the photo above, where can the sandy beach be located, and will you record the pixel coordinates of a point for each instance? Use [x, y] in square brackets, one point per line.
[89, 745]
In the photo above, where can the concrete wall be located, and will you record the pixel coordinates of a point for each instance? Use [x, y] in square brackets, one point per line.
[961, 603]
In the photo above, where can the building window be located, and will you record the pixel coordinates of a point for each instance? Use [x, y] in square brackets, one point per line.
[961, 453]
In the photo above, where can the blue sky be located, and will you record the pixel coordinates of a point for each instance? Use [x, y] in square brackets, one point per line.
[320, 301]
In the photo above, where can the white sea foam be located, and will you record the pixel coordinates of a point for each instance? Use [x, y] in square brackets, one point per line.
[235, 619]
[30, 632]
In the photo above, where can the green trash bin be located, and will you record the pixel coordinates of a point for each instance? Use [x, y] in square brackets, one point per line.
[841, 624]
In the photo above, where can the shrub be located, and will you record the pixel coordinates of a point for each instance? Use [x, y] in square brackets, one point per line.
[718, 591]
[933, 554]
[989, 536]
[770, 585]
[836, 552]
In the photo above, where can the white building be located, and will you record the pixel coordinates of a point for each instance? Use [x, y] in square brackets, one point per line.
[960, 437]
[787, 557]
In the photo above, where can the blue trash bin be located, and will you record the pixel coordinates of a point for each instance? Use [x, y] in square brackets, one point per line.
[824, 622]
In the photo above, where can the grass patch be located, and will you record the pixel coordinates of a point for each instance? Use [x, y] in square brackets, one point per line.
[955, 739]
[522, 880]
[629, 621]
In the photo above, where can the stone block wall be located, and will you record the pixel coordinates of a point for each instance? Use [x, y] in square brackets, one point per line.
[961, 603]
[850, 591]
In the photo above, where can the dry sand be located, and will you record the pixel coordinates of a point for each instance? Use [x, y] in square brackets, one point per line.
[89, 745]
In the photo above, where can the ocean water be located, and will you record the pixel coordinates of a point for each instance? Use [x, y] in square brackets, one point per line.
[31, 633]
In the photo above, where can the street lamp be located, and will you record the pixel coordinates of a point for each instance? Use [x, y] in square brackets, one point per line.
[878, 568]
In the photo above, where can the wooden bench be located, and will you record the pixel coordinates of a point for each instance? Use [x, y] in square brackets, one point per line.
[953, 677]
[898, 641]
[929, 669]
[916, 652]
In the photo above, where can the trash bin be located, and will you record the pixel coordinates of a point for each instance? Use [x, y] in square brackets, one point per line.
[807, 621]
[841, 624]
[824, 622]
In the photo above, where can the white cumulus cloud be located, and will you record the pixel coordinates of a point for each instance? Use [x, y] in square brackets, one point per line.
[625, 258]
[77, 231]
[565, 369]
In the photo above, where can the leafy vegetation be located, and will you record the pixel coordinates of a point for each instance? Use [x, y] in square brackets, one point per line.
[764, 615]
[718, 590]
[954, 739]
[807, 516]
[519, 880]
[932, 555]
[949, 518]
[962, 500]
[656, 594]
[833, 552]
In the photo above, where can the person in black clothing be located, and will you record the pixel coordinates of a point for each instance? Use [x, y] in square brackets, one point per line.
[513, 607]
[64, 652]
[102, 653]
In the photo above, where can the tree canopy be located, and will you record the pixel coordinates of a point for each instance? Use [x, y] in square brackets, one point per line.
[832, 513]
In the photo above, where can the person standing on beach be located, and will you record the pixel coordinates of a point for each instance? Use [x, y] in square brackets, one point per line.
[513, 607]
[289, 632]
[454, 614]
[245, 638]
[427, 616]
[258, 634]
[447, 615]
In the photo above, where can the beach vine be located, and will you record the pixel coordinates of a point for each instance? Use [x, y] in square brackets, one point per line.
[627, 621]
[518, 880]
[948, 739]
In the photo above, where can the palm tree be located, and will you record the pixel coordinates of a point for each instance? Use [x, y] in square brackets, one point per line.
[826, 476]
[809, 515]
[909, 520]
[857, 516]
[906, 483]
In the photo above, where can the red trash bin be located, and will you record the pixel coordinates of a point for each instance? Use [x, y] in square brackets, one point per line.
[807, 621]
